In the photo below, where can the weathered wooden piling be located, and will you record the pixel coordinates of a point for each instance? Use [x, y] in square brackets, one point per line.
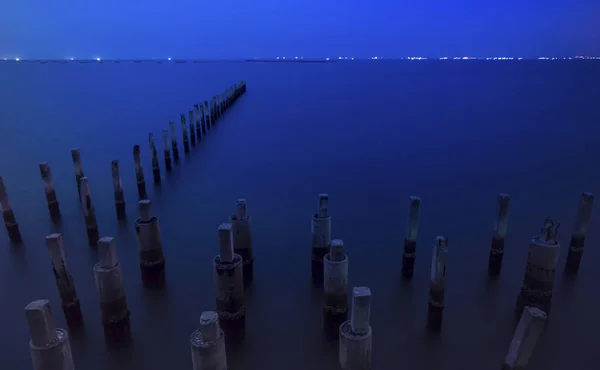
[139, 173]
[166, 150]
[497, 248]
[155, 166]
[12, 226]
[538, 282]
[76, 155]
[53, 206]
[174, 141]
[186, 143]
[584, 212]
[321, 237]
[64, 280]
[204, 118]
[229, 282]
[335, 307]
[208, 344]
[241, 226]
[88, 211]
[355, 334]
[49, 346]
[192, 133]
[109, 284]
[152, 259]
[198, 122]
[437, 284]
[531, 325]
[118, 190]
[410, 241]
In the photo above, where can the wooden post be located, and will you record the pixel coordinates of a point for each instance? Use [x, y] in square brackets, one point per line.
[118, 190]
[166, 150]
[437, 284]
[152, 260]
[192, 134]
[356, 333]
[497, 249]
[174, 141]
[12, 226]
[155, 166]
[88, 211]
[241, 226]
[53, 206]
[76, 155]
[186, 143]
[410, 241]
[530, 328]
[139, 173]
[335, 307]
[586, 201]
[321, 238]
[198, 122]
[208, 344]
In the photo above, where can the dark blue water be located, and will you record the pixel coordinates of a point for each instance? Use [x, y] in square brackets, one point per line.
[370, 134]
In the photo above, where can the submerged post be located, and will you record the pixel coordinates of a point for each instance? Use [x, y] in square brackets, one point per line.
[166, 150]
[88, 211]
[155, 166]
[321, 237]
[229, 282]
[152, 260]
[64, 280]
[497, 249]
[118, 190]
[410, 241]
[203, 118]
[538, 282]
[355, 334]
[208, 344]
[192, 134]
[49, 346]
[139, 173]
[207, 116]
[531, 325]
[174, 141]
[198, 124]
[12, 226]
[437, 284]
[241, 226]
[109, 284]
[584, 212]
[49, 190]
[335, 307]
[186, 143]
[76, 155]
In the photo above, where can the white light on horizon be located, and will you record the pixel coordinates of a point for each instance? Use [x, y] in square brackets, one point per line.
[168, 58]
[98, 59]
[72, 58]
[17, 59]
[326, 58]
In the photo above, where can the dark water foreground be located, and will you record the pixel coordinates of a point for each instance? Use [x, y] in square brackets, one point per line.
[368, 133]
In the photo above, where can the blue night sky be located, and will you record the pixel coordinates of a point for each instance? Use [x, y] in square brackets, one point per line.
[310, 28]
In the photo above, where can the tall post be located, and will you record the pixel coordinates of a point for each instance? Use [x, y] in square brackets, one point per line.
[410, 241]
[335, 307]
[538, 282]
[152, 260]
[166, 150]
[241, 226]
[155, 166]
[118, 190]
[208, 344]
[12, 226]
[139, 173]
[186, 143]
[497, 249]
[355, 334]
[530, 328]
[76, 155]
[204, 118]
[207, 116]
[174, 141]
[192, 133]
[584, 212]
[321, 238]
[437, 284]
[88, 211]
[64, 280]
[49, 346]
[198, 122]
[229, 281]
[109, 284]
[53, 206]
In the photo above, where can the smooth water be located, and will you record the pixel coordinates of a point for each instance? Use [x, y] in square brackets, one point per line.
[455, 133]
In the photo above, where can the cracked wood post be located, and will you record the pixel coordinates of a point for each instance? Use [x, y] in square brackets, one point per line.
[139, 173]
[208, 344]
[155, 166]
[538, 282]
[241, 226]
[437, 284]
[584, 212]
[186, 143]
[12, 226]
[76, 155]
[410, 241]
[152, 259]
[531, 325]
[89, 213]
[192, 134]
[198, 122]
[118, 190]
[335, 307]
[53, 206]
[321, 238]
[229, 282]
[174, 141]
[166, 150]
[497, 249]
[64, 280]
[356, 333]
[49, 346]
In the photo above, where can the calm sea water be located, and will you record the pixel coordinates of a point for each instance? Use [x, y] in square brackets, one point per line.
[370, 134]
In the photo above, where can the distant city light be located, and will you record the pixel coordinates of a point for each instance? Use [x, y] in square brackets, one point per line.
[284, 58]
[352, 58]
[98, 59]
[17, 59]
[72, 58]
[326, 58]
[168, 58]
[296, 57]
